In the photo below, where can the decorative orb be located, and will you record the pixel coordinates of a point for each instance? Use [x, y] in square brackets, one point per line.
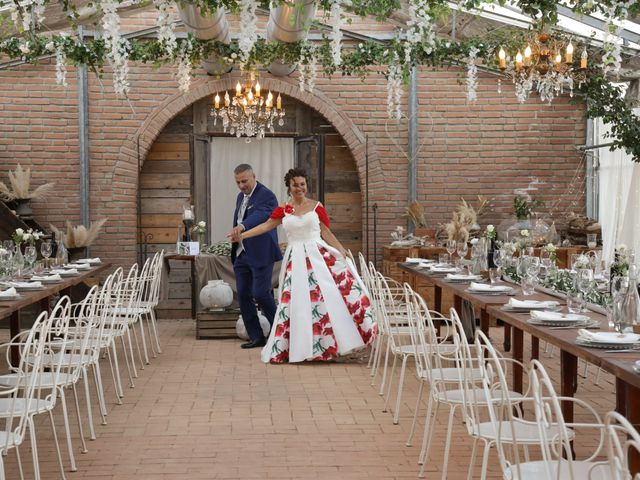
[241, 331]
[216, 294]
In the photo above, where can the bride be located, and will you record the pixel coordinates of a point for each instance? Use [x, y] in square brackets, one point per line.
[324, 309]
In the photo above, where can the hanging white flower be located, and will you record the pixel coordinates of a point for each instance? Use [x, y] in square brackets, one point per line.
[117, 46]
[166, 27]
[29, 13]
[185, 67]
[335, 20]
[472, 75]
[307, 66]
[394, 89]
[612, 46]
[248, 34]
[61, 66]
[420, 29]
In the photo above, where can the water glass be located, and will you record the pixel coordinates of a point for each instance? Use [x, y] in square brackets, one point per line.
[494, 275]
[451, 247]
[46, 249]
[30, 255]
[462, 248]
[443, 259]
[592, 240]
[575, 302]
[528, 284]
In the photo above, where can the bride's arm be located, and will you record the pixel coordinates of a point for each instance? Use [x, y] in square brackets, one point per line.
[331, 239]
[262, 228]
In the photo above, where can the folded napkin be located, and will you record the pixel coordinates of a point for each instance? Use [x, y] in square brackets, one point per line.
[437, 269]
[608, 337]
[9, 292]
[460, 276]
[82, 266]
[557, 316]
[51, 278]
[27, 284]
[481, 287]
[514, 303]
[66, 271]
[414, 260]
[89, 260]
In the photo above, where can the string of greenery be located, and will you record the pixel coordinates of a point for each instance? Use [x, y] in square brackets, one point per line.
[602, 99]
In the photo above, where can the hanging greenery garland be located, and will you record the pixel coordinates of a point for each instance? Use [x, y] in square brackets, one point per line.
[419, 47]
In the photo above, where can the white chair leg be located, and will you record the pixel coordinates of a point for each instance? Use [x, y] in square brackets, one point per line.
[472, 460]
[386, 365]
[55, 439]
[34, 449]
[485, 460]
[150, 328]
[115, 372]
[126, 361]
[393, 368]
[447, 445]
[429, 425]
[396, 414]
[154, 325]
[376, 361]
[99, 392]
[85, 379]
[132, 357]
[67, 429]
[132, 328]
[415, 414]
[75, 396]
[18, 459]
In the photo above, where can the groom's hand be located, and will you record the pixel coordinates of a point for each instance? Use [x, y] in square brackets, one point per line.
[234, 234]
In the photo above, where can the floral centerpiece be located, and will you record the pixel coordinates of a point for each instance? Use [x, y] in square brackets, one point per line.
[490, 232]
[201, 229]
[620, 265]
[551, 249]
[19, 190]
[524, 241]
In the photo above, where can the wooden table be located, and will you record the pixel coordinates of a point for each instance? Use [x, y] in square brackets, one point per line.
[11, 310]
[618, 364]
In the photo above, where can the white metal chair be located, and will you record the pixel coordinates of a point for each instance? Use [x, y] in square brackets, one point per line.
[621, 438]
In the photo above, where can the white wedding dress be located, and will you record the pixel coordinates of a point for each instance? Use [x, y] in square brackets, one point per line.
[324, 309]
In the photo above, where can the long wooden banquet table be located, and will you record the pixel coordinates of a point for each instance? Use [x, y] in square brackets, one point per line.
[11, 309]
[491, 307]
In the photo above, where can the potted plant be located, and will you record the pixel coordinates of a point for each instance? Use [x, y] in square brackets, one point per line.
[18, 194]
[77, 239]
[415, 213]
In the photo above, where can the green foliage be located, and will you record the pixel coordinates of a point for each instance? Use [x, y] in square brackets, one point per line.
[524, 207]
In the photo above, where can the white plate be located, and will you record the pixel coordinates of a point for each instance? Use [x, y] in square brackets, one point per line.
[614, 338]
[563, 318]
[29, 288]
[607, 346]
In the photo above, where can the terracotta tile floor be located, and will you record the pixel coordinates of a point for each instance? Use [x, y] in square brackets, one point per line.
[206, 409]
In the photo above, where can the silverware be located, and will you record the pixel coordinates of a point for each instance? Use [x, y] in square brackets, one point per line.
[625, 350]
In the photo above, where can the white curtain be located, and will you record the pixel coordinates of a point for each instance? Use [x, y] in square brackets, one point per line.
[270, 159]
[619, 201]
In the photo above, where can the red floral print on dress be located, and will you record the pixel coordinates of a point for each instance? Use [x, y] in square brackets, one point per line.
[288, 209]
[285, 298]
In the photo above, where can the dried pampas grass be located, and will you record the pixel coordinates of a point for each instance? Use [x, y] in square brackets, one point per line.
[415, 212]
[80, 236]
[20, 181]
[464, 218]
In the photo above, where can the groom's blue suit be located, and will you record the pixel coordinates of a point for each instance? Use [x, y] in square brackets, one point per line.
[254, 265]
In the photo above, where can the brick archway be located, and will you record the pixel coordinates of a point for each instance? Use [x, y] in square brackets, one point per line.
[137, 147]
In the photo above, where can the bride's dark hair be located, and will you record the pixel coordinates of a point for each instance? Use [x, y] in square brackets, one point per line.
[295, 172]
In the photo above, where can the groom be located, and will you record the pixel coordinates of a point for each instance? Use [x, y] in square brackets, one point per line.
[253, 258]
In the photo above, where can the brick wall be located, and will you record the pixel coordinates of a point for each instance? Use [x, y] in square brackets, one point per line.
[487, 148]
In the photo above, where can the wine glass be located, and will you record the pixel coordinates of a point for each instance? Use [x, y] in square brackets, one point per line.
[584, 281]
[533, 266]
[9, 245]
[46, 249]
[30, 255]
[462, 249]
[451, 247]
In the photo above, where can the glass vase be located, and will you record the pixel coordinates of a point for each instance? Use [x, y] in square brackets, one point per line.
[202, 240]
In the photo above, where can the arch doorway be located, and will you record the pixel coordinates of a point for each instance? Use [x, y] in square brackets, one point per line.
[177, 171]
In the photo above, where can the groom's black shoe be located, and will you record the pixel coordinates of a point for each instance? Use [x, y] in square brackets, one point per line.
[254, 343]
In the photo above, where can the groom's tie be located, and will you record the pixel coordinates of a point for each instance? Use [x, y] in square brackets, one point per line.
[241, 212]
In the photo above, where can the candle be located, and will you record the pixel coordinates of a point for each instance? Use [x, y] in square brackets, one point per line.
[558, 60]
[238, 89]
[583, 59]
[250, 96]
[569, 57]
[258, 89]
[217, 100]
[279, 103]
[227, 99]
[502, 57]
[518, 61]
[269, 100]
[187, 214]
[527, 56]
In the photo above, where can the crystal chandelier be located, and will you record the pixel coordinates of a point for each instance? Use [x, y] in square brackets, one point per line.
[546, 64]
[248, 112]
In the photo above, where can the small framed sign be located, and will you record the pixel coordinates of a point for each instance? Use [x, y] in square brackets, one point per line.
[188, 248]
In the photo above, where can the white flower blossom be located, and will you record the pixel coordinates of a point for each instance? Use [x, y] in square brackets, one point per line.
[612, 46]
[117, 46]
[472, 75]
[335, 20]
[394, 89]
[621, 247]
[26, 237]
[473, 241]
[524, 233]
[61, 66]
[166, 27]
[248, 34]
[24, 48]
[202, 224]
[19, 231]
[420, 29]
[490, 228]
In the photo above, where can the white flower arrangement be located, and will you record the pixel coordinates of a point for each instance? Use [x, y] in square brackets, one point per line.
[612, 46]
[307, 66]
[200, 227]
[394, 89]
[473, 241]
[581, 262]
[335, 20]
[117, 46]
[472, 75]
[30, 13]
[524, 233]
[420, 29]
[551, 249]
[490, 232]
[61, 66]
[185, 67]
[248, 34]
[166, 27]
